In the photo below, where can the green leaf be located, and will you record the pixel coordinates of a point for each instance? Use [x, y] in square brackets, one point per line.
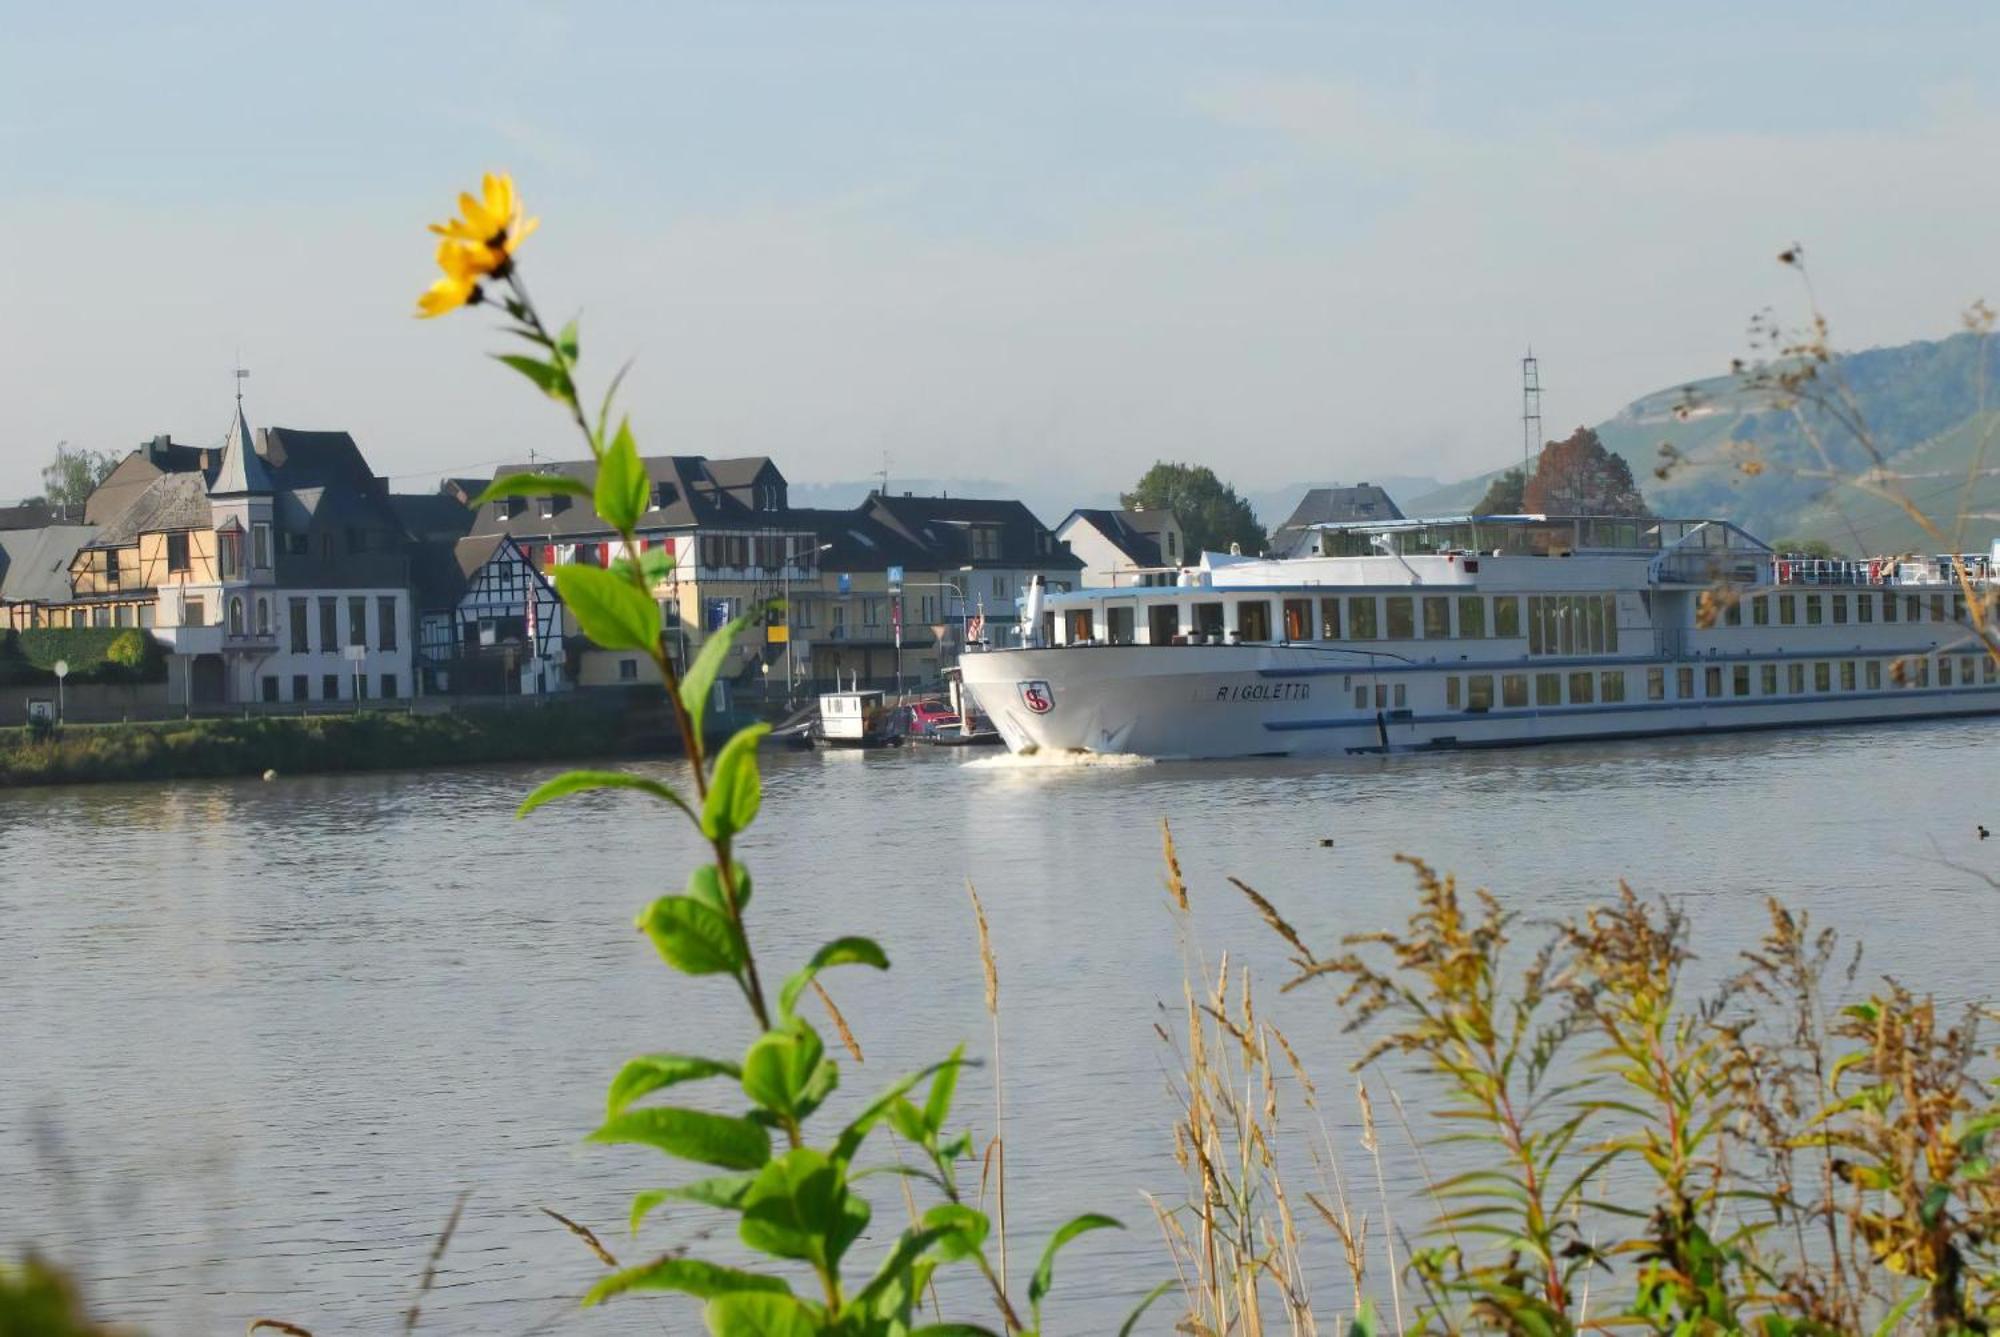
[839, 952]
[1131, 1324]
[953, 1330]
[576, 782]
[938, 1108]
[621, 481]
[748, 1314]
[694, 938]
[724, 1191]
[800, 1208]
[736, 790]
[779, 1066]
[852, 1136]
[1038, 1285]
[1366, 1322]
[961, 1230]
[566, 341]
[705, 885]
[691, 1135]
[552, 380]
[690, 1276]
[530, 485]
[609, 608]
[655, 564]
[700, 675]
[649, 1072]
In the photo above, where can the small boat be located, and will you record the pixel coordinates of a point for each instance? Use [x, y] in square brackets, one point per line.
[857, 719]
[969, 726]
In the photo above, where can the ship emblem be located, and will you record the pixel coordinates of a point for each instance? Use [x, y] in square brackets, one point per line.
[1037, 697]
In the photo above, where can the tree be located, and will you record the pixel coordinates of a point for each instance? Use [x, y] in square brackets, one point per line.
[75, 474]
[1503, 495]
[1578, 476]
[1802, 547]
[1212, 516]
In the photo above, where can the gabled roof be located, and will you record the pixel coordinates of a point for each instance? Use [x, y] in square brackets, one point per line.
[861, 542]
[1135, 534]
[941, 526]
[1331, 505]
[37, 513]
[432, 515]
[34, 563]
[687, 489]
[170, 501]
[242, 471]
[317, 459]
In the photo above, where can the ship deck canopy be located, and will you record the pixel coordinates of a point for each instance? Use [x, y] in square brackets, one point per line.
[1533, 535]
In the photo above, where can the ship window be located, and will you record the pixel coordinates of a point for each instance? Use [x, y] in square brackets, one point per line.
[1534, 625]
[1253, 620]
[1873, 675]
[1788, 609]
[1548, 689]
[1732, 612]
[1471, 616]
[1767, 679]
[1958, 608]
[1986, 670]
[1361, 698]
[1656, 684]
[1118, 625]
[1479, 692]
[1760, 610]
[1437, 617]
[1937, 608]
[1944, 671]
[1163, 623]
[1400, 617]
[1611, 624]
[1077, 626]
[1451, 697]
[1402, 696]
[1795, 678]
[1839, 602]
[1329, 619]
[1814, 614]
[1822, 677]
[1846, 675]
[1711, 685]
[1923, 666]
[1208, 619]
[1507, 616]
[1298, 617]
[1611, 685]
[1913, 609]
[1361, 618]
[1684, 683]
[1864, 608]
[1381, 697]
[1581, 692]
[1739, 684]
[1513, 689]
[1888, 608]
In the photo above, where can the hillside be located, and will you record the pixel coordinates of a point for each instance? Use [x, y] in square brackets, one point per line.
[1933, 408]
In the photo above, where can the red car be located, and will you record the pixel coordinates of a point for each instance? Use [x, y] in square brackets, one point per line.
[927, 717]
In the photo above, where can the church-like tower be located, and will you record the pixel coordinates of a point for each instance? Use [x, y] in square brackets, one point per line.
[240, 506]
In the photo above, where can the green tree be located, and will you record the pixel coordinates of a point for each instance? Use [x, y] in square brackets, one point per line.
[1212, 515]
[75, 474]
[1503, 495]
[1800, 547]
[1578, 476]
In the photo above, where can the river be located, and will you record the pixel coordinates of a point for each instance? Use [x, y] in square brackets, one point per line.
[256, 1037]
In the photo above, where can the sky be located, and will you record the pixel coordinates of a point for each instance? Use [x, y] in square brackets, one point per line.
[1016, 240]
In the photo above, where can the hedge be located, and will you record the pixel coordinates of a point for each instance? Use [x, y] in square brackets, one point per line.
[95, 654]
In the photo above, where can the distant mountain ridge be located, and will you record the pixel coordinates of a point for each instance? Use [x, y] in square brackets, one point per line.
[1931, 406]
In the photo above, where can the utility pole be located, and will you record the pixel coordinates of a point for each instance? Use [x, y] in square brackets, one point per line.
[1531, 413]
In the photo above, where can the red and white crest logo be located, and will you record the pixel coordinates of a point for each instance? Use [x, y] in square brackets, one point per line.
[1037, 697]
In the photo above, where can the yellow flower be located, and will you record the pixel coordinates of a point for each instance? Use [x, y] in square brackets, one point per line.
[492, 222]
[464, 266]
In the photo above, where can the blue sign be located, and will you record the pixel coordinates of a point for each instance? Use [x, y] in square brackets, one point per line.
[895, 580]
[846, 583]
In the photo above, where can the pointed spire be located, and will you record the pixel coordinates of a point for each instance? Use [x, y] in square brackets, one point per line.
[242, 471]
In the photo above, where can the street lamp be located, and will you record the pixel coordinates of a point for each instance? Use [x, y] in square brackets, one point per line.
[785, 586]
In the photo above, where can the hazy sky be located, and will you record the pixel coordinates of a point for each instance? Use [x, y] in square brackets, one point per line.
[1005, 239]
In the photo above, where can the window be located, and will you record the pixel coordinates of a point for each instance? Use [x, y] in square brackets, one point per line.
[1479, 692]
[357, 621]
[177, 552]
[1400, 617]
[1118, 625]
[1548, 689]
[1361, 698]
[1913, 609]
[121, 616]
[227, 554]
[1381, 697]
[299, 682]
[389, 692]
[263, 617]
[1437, 617]
[1767, 679]
[1711, 681]
[1361, 618]
[1795, 679]
[1513, 689]
[1839, 602]
[329, 687]
[1163, 623]
[1253, 620]
[1864, 608]
[385, 621]
[1684, 683]
[145, 615]
[236, 616]
[194, 613]
[984, 542]
[1451, 697]
[1846, 675]
[260, 549]
[1937, 608]
[1760, 610]
[1788, 609]
[1611, 685]
[1402, 696]
[1923, 668]
[999, 587]
[1471, 616]
[329, 624]
[100, 616]
[1329, 619]
[1656, 684]
[1814, 613]
[1739, 680]
[360, 687]
[1822, 677]
[1944, 671]
[1582, 688]
[1872, 671]
[1986, 669]
[1077, 626]
[300, 641]
[1298, 619]
[268, 688]
[326, 535]
[871, 612]
[1732, 613]
[1507, 616]
[1888, 608]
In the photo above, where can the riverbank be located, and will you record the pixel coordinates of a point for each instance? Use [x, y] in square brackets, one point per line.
[292, 744]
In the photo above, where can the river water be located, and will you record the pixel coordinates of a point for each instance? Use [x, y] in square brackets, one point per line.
[256, 1038]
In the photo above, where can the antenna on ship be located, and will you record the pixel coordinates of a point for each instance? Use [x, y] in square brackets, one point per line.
[1531, 412]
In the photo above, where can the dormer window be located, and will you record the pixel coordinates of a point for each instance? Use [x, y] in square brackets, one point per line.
[548, 507]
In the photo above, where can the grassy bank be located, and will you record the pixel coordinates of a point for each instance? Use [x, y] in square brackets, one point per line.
[370, 740]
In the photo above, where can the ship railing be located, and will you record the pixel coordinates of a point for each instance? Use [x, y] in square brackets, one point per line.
[1943, 569]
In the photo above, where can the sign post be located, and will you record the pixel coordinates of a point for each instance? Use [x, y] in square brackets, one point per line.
[355, 654]
[61, 672]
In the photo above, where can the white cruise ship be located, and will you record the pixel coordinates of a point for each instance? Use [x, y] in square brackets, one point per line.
[1484, 631]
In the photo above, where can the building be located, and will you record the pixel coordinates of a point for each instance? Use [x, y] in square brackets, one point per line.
[1125, 547]
[1329, 505]
[990, 550]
